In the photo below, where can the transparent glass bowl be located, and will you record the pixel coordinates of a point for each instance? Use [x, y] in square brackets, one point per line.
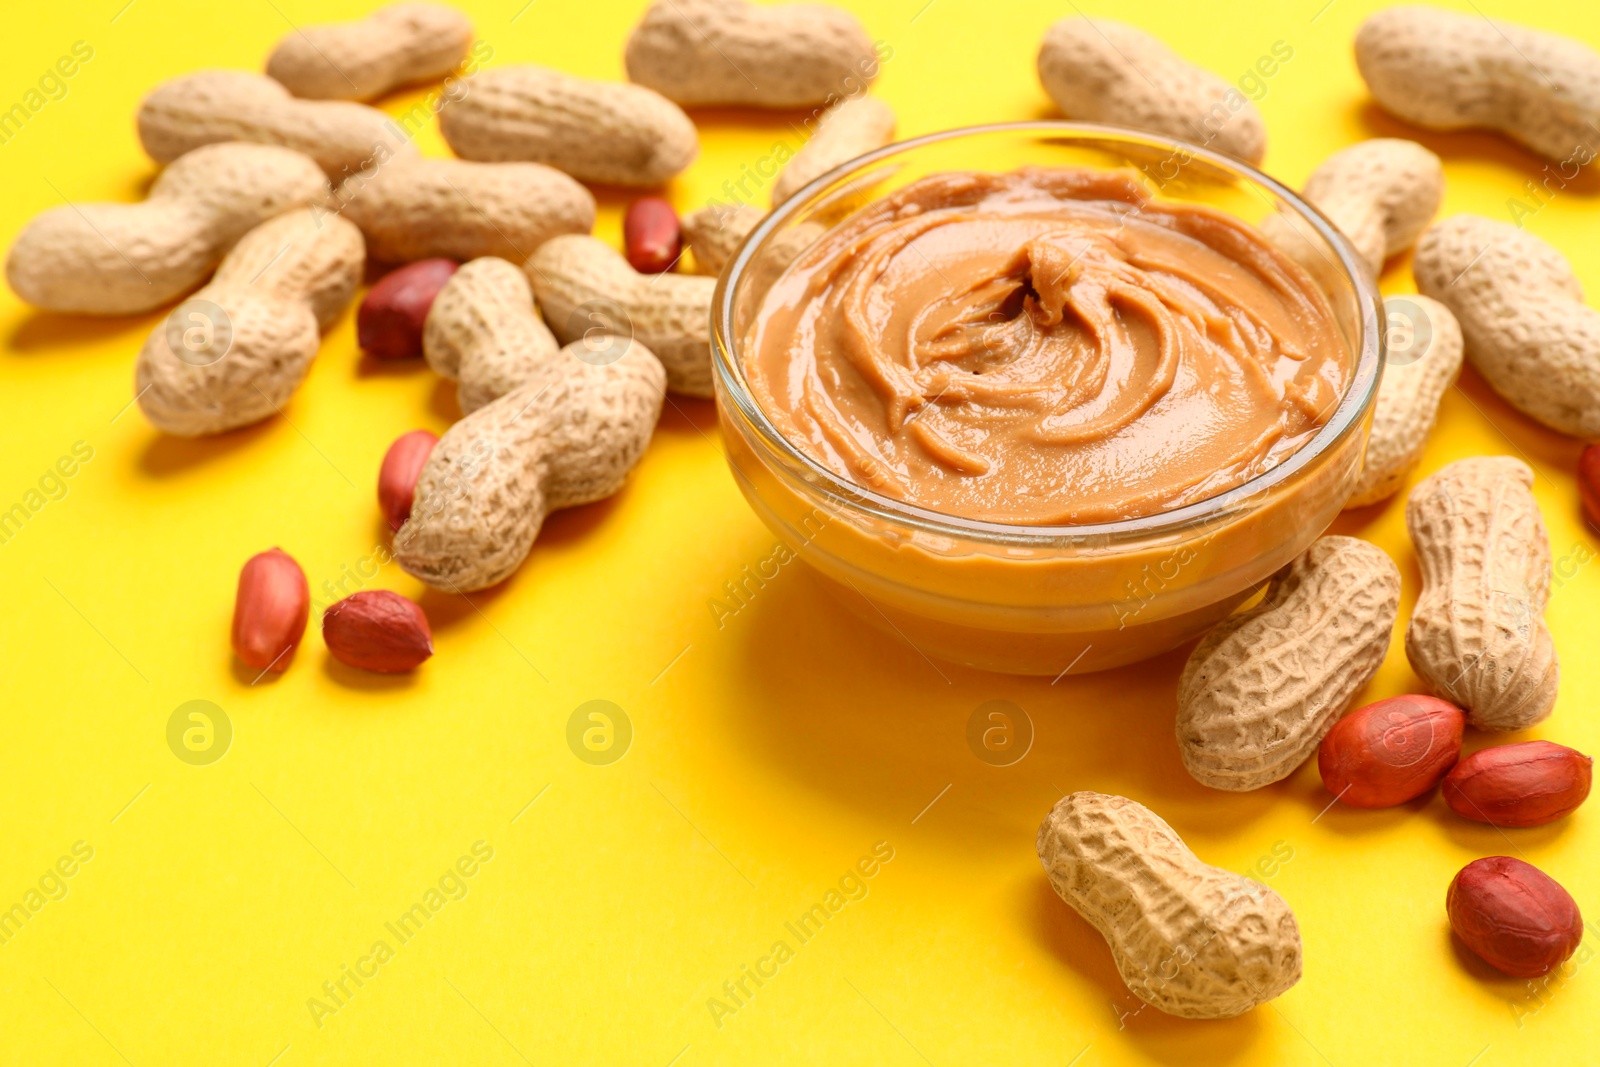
[1046, 599]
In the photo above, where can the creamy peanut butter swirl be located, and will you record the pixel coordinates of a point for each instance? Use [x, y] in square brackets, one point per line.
[1044, 347]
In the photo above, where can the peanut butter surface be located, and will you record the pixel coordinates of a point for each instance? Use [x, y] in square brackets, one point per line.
[1044, 347]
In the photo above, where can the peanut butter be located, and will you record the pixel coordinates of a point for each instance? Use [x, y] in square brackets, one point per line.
[1044, 347]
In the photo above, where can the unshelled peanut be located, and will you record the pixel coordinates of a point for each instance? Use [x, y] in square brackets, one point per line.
[1449, 70]
[1262, 689]
[1191, 939]
[234, 105]
[427, 208]
[1527, 328]
[1108, 71]
[715, 231]
[236, 351]
[566, 437]
[594, 130]
[583, 284]
[398, 44]
[1477, 635]
[1422, 361]
[699, 52]
[121, 259]
[485, 333]
[847, 130]
[1381, 194]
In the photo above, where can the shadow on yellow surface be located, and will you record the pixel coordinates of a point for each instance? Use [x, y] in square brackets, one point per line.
[46, 331]
[165, 456]
[1456, 145]
[1165, 1038]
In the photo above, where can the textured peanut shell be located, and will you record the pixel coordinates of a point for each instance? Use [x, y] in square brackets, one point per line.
[1265, 686]
[714, 233]
[1408, 403]
[209, 106]
[396, 45]
[1450, 70]
[846, 131]
[699, 52]
[485, 333]
[594, 130]
[1381, 194]
[1188, 938]
[669, 313]
[1477, 635]
[121, 259]
[285, 282]
[1108, 71]
[568, 436]
[422, 208]
[1527, 329]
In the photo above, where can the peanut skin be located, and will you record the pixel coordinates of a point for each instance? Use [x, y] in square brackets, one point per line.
[1477, 635]
[209, 106]
[397, 475]
[1526, 784]
[596, 131]
[699, 52]
[283, 284]
[1390, 751]
[399, 44]
[1194, 940]
[1513, 915]
[391, 317]
[1264, 687]
[122, 259]
[270, 609]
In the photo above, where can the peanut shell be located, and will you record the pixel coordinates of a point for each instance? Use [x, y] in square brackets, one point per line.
[1264, 687]
[596, 131]
[1527, 328]
[1477, 635]
[209, 106]
[398, 44]
[419, 209]
[699, 52]
[1191, 939]
[567, 436]
[484, 332]
[284, 283]
[583, 284]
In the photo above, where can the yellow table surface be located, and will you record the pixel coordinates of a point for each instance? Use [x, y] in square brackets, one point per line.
[773, 747]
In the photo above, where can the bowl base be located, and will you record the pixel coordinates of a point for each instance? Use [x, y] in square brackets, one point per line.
[1046, 654]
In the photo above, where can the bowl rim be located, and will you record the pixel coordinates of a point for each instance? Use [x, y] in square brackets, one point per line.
[845, 494]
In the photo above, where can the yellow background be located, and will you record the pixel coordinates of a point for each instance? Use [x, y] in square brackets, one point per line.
[769, 754]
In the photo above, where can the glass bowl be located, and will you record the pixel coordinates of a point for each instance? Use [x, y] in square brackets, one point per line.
[1047, 600]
